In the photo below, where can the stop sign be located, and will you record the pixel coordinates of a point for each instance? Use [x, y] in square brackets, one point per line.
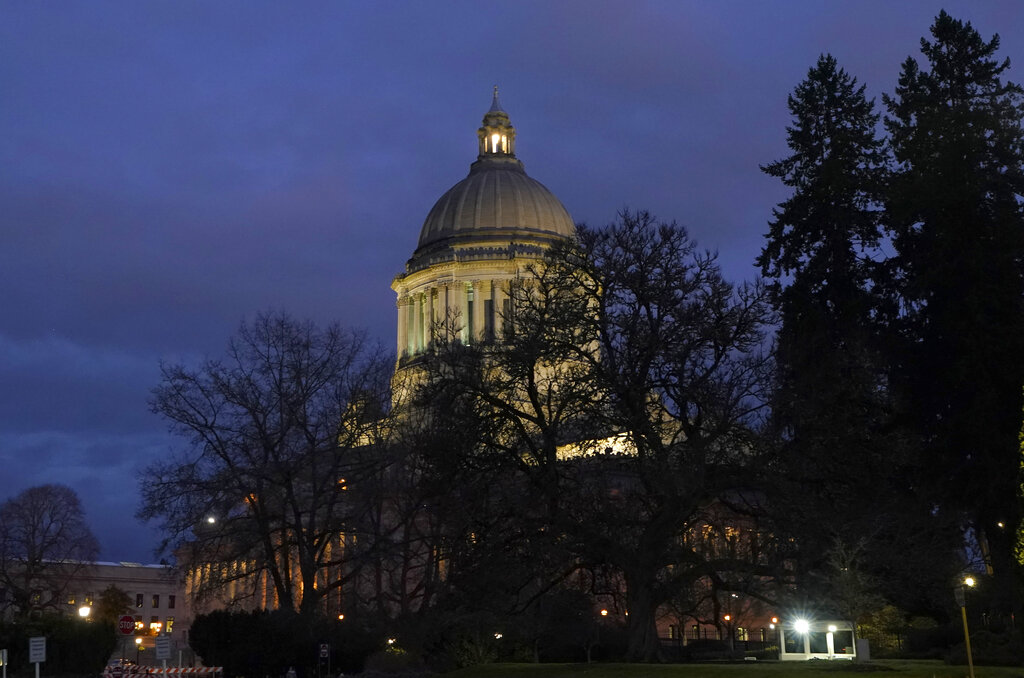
[126, 625]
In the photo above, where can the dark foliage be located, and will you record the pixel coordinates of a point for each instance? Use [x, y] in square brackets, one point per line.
[845, 468]
[956, 219]
[268, 643]
[73, 646]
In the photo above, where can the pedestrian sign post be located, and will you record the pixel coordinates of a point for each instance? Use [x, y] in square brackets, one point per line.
[325, 658]
[37, 651]
[163, 648]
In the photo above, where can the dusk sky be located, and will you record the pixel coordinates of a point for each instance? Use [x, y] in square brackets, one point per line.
[168, 169]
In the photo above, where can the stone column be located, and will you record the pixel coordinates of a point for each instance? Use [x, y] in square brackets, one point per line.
[401, 343]
[485, 291]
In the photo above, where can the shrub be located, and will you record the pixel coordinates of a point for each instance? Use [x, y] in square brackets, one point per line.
[990, 649]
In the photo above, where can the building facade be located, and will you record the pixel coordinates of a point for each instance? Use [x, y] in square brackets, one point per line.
[156, 594]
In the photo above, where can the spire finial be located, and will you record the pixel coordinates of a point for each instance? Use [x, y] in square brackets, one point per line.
[495, 106]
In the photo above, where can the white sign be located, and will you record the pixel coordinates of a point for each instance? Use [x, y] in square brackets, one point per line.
[37, 649]
[163, 647]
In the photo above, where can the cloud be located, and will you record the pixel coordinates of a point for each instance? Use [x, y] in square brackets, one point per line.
[103, 471]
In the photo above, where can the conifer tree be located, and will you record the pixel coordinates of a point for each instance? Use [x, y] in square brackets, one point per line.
[957, 225]
[841, 481]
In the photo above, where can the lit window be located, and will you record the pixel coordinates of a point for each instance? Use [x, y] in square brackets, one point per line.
[71, 599]
[155, 626]
[170, 624]
[138, 599]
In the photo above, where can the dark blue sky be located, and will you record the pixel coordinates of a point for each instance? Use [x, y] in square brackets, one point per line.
[170, 168]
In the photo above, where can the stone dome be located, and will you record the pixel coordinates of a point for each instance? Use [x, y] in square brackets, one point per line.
[497, 210]
[496, 201]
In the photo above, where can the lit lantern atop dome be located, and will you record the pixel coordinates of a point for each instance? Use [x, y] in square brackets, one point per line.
[497, 136]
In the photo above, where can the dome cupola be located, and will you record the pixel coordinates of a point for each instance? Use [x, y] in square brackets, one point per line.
[497, 135]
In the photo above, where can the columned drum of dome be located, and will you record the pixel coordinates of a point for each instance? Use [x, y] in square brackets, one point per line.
[481, 234]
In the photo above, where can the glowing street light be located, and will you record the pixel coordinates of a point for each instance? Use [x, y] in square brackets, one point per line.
[84, 611]
[961, 600]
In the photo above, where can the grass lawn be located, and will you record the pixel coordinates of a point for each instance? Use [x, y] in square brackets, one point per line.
[876, 669]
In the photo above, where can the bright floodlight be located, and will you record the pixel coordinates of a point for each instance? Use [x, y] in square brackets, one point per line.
[969, 581]
[831, 628]
[801, 626]
[84, 611]
[211, 520]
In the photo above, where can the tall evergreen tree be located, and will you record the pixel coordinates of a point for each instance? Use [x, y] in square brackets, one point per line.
[839, 460]
[957, 224]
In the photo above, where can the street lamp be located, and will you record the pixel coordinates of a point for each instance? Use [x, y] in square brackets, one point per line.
[961, 600]
[138, 646]
[84, 611]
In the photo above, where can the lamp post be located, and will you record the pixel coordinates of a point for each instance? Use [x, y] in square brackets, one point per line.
[138, 646]
[961, 600]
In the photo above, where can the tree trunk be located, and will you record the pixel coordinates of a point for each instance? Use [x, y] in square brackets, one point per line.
[643, 644]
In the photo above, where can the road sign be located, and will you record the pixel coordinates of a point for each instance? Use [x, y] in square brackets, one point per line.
[325, 650]
[37, 649]
[163, 647]
[126, 625]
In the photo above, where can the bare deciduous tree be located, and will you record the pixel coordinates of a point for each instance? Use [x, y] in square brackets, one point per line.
[282, 433]
[44, 542]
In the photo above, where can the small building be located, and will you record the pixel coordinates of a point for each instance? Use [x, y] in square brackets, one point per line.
[828, 639]
[156, 592]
